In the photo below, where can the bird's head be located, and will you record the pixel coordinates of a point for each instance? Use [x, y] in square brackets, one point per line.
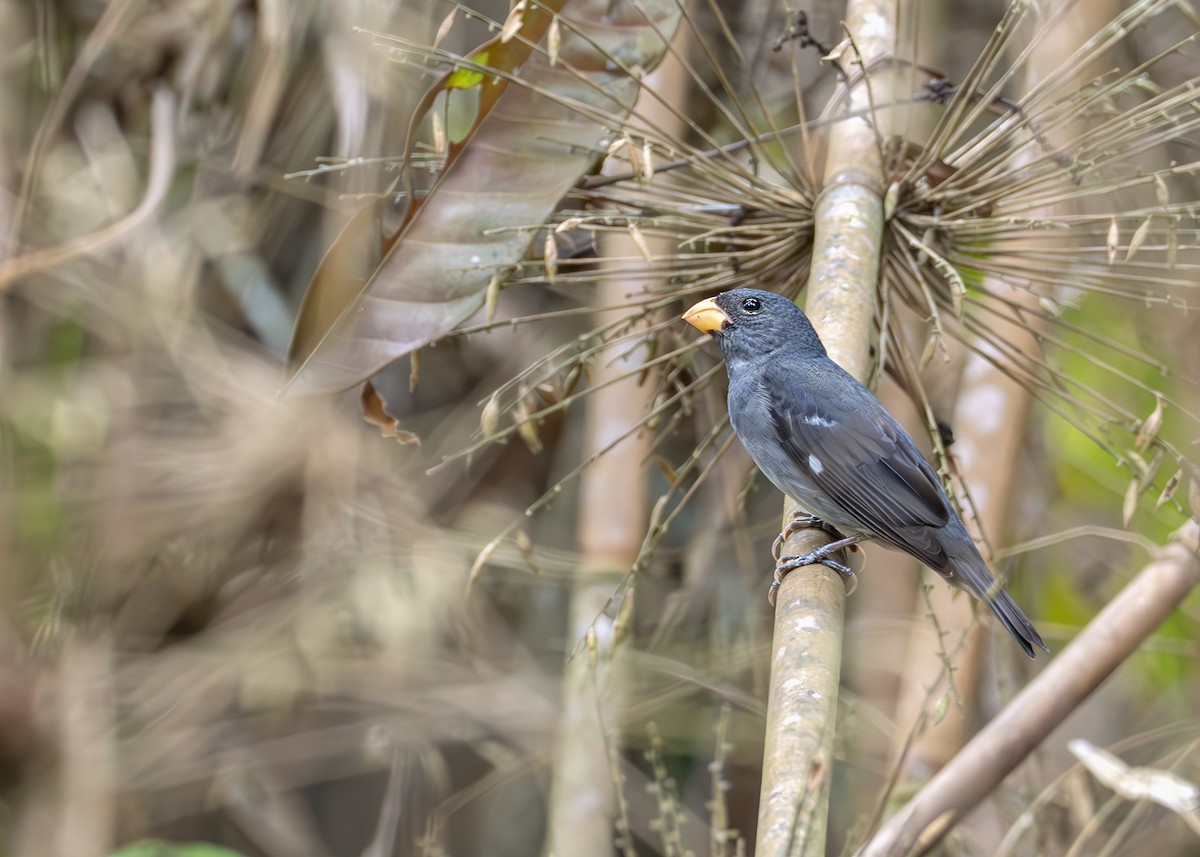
[751, 324]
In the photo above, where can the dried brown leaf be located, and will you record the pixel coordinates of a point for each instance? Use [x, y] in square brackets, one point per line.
[1131, 500]
[1169, 489]
[526, 547]
[1165, 788]
[1139, 235]
[1150, 426]
[489, 419]
[553, 41]
[444, 28]
[1160, 191]
[481, 561]
[514, 22]
[530, 143]
[669, 473]
[526, 428]
[374, 411]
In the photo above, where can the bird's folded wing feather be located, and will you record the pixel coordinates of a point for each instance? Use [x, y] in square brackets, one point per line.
[860, 458]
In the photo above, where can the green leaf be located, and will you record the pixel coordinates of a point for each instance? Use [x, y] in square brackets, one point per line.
[465, 78]
[161, 848]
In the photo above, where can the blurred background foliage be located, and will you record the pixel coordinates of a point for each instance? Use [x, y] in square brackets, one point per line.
[246, 619]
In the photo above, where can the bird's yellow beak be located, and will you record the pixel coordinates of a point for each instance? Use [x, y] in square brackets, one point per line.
[706, 316]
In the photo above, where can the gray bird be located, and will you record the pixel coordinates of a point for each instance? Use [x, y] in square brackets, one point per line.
[824, 439]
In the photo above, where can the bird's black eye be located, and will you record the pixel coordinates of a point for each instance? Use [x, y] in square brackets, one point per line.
[751, 304]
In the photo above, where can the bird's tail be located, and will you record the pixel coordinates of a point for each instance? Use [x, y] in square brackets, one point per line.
[972, 574]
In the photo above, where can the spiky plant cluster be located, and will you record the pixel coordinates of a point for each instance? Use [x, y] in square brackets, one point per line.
[1017, 211]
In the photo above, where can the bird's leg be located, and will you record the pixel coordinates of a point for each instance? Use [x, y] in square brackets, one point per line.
[800, 521]
[788, 564]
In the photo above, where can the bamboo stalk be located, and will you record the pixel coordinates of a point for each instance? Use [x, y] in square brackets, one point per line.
[806, 652]
[613, 508]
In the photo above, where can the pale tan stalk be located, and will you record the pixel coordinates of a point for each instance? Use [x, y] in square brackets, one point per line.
[613, 510]
[807, 648]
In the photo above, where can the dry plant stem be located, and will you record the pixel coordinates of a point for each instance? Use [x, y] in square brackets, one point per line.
[97, 40]
[88, 766]
[990, 420]
[806, 652]
[158, 182]
[612, 514]
[613, 508]
[1108, 640]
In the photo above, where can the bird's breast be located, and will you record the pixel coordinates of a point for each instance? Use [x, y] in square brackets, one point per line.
[749, 413]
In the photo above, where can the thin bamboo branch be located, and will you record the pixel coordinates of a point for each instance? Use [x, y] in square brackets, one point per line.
[1107, 641]
[806, 653]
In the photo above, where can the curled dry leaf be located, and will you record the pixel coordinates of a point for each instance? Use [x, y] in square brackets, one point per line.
[1131, 500]
[374, 411]
[1168, 492]
[668, 472]
[512, 25]
[538, 128]
[526, 547]
[553, 41]
[522, 416]
[481, 561]
[489, 419]
[1164, 788]
[444, 28]
[1139, 235]
[645, 163]
[591, 641]
[1160, 191]
[633, 154]
[1150, 471]
[1150, 426]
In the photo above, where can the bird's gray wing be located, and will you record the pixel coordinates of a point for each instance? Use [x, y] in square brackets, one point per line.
[860, 458]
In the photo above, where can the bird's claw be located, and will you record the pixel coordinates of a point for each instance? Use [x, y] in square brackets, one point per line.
[800, 521]
[849, 578]
[821, 556]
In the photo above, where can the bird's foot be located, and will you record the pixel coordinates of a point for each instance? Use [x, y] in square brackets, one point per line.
[801, 521]
[820, 556]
